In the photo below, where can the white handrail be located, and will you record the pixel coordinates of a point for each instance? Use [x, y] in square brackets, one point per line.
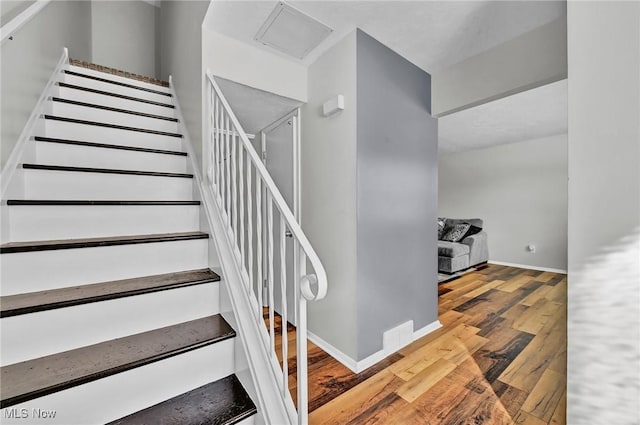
[227, 149]
[25, 16]
[277, 198]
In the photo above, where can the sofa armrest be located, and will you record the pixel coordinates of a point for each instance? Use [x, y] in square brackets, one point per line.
[478, 248]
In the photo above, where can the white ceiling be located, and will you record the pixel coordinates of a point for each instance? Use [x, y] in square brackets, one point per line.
[432, 35]
[533, 114]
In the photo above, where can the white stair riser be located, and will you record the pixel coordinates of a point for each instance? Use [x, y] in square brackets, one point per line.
[51, 222]
[45, 270]
[116, 136]
[114, 102]
[124, 393]
[114, 88]
[64, 329]
[47, 184]
[88, 156]
[62, 109]
[113, 77]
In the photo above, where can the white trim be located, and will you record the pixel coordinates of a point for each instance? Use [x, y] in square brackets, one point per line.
[359, 366]
[18, 150]
[333, 352]
[433, 326]
[25, 16]
[528, 266]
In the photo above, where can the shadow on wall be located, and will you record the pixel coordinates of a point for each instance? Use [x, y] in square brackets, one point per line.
[604, 310]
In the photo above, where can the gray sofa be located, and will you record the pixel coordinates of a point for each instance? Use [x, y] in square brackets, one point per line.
[468, 252]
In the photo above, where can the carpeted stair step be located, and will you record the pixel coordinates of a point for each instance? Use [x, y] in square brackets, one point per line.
[223, 402]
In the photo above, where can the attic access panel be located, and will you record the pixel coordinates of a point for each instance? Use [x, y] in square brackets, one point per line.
[292, 32]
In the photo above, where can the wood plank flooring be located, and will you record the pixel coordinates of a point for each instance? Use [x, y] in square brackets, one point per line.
[499, 358]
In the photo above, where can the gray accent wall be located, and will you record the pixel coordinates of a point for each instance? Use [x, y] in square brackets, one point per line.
[124, 35]
[369, 194]
[397, 192]
[181, 57]
[30, 58]
[519, 190]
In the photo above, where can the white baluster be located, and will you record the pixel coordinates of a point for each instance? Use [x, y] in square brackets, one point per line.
[227, 158]
[269, 205]
[259, 246]
[283, 307]
[234, 186]
[249, 225]
[219, 162]
[241, 211]
[301, 342]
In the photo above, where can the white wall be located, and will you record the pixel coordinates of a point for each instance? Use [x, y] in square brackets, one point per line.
[124, 36]
[240, 62]
[533, 59]
[519, 190]
[604, 213]
[181, 57]
[329, 192]
[29, 59]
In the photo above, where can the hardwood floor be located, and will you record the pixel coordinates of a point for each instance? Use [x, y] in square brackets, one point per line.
[499, 358]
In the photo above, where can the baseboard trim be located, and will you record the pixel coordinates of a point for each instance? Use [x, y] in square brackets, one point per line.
[360, 365]
[528, 266]
[433, 326]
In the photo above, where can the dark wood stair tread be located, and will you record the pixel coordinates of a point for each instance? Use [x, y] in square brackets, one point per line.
[107, 125]
[33, 302]
[121, 96]
[104, 170]
[84, 202]
[49, 245]
[112, 109]
[107, 146]
[117, 83]
[46, 375]
[222, 402]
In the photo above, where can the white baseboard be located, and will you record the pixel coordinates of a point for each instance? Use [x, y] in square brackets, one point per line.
[528, 266]
[357, 366]
[427, 330]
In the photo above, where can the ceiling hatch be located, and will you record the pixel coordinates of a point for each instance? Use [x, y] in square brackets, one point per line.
[292, 32]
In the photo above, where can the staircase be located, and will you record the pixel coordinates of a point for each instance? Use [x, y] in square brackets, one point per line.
[110, 310]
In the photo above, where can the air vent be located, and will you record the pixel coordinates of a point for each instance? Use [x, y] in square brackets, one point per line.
[292, 32]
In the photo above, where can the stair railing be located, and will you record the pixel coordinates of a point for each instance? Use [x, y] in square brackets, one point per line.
[259, 222]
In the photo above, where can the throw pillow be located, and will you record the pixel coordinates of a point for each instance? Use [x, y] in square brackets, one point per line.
[472, 231]
[455, 233]
[441, 222]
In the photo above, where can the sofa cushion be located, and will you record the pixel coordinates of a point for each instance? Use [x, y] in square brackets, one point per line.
[457, 232]
[452, 249]
[472, 231]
